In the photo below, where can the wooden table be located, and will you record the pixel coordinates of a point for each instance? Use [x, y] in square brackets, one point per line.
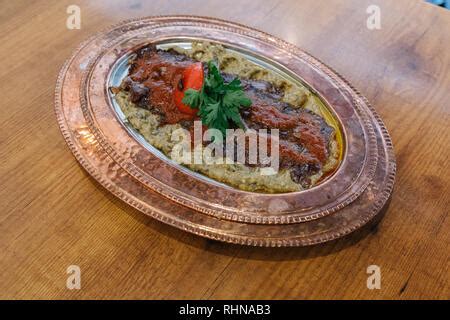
[52, 214]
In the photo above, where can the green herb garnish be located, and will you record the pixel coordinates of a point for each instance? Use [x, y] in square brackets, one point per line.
[218, 102]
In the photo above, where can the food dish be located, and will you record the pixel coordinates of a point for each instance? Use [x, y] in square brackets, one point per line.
[310, 141]
[119, 157]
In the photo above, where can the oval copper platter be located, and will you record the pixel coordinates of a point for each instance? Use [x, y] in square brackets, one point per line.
[121, 160]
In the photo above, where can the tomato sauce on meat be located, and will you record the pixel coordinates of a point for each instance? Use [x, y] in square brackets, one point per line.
[160, 72]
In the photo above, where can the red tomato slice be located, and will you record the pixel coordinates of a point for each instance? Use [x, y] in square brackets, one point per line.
[192, 79]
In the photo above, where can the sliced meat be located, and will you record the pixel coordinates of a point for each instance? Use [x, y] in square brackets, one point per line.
[304, 136]
[153, 76]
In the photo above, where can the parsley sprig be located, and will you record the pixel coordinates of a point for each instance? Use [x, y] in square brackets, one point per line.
[218, 102]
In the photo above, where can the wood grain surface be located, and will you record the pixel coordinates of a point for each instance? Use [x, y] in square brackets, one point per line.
[52, 214]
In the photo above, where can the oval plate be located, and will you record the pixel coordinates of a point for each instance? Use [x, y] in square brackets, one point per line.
[122, 162]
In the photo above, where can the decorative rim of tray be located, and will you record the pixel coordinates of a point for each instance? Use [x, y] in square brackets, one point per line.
[109, 152]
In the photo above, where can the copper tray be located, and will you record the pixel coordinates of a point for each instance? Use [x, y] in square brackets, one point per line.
[120, 159]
